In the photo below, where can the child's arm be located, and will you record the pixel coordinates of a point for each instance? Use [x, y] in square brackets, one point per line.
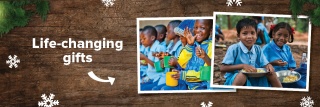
[148, 61]
[202, 54]
[228, 63]
[269, 68]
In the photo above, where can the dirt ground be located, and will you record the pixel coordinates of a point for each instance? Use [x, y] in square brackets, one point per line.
[299, 46]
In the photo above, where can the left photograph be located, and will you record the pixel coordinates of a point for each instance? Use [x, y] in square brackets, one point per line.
[174, 55]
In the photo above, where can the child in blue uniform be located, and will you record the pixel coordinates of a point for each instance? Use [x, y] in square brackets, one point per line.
[148, 39]
[262, 32]
[198, 53]
[162, 30]
[143, 64]
[218, 34]
[174, 48]
[279, 54]
[247, 56]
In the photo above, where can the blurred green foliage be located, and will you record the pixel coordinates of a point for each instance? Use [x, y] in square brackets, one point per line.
[13, 14]
[301, 24]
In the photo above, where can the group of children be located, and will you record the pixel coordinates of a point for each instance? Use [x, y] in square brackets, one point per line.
[275, 55]
[188, 43]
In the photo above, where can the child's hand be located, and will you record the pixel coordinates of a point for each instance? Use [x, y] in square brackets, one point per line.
[200, 52]
[183, 40]
[161, 55]
[189, 37]
[270, 68]
[249, 68]
[177, 75]
[161, 63]
[173, 61]
[279, 63]
[142, 57]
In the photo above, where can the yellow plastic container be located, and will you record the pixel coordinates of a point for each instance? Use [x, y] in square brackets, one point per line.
[170, 81]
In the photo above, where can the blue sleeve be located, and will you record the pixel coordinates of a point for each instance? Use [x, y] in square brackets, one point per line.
[262, 58]
[230, 55]
[270, 54]
[266, 52]
[161, 48]
[178, 51]
[178, 67]
[260, 26]
[292, 62]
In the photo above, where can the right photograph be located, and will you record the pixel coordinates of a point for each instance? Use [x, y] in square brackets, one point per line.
[261, 51]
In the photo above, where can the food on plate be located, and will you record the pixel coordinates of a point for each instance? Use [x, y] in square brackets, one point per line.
[290, 78]
[258, 70]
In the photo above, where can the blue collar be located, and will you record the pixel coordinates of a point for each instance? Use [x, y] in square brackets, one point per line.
[245, 49]
[275, 46]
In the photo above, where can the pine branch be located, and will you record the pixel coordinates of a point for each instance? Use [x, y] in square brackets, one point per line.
[42, 8]
[296, 7]
[13, 14]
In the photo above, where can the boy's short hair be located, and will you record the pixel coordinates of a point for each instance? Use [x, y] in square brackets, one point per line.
[246, 22]
[174, 23]
[162, 28]
[150, 30]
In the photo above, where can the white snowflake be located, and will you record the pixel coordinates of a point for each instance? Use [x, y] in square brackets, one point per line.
[203, 104]
[306, 102]
[108, 2]
[230, 2]
[13, 61]
[48, 101]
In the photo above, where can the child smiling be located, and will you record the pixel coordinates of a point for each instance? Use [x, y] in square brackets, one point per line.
[247, 56]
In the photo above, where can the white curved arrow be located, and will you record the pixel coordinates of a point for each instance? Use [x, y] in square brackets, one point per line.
[94, 77]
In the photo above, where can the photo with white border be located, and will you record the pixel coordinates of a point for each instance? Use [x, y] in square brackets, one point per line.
[292, 69]
[141, 23]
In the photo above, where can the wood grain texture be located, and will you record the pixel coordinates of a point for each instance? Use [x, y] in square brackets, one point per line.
[42, 70]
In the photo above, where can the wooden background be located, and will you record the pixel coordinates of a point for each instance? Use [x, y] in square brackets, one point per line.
[42, 70]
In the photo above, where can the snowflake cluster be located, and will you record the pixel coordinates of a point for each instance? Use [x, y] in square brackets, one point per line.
[48, 101]
[203, 104]
[13, 61]
[108, 2]
[306, 102]
[230, 2]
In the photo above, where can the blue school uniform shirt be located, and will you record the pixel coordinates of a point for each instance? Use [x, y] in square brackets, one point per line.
[174, 51]
[163, 43]
[273, 52]
[239, 54]
[170, 44]
[217, 29]
[151, 71]
[265, 34]
[143, 68]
